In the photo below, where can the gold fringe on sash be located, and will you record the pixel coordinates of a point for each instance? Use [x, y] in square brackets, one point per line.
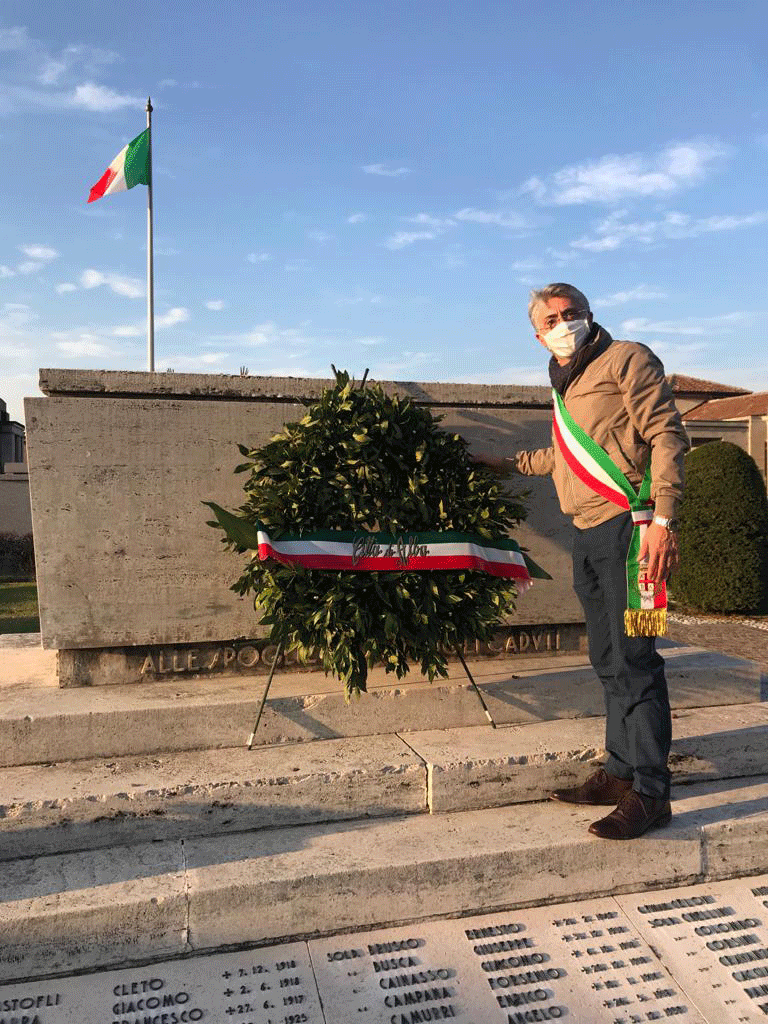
[649, 622]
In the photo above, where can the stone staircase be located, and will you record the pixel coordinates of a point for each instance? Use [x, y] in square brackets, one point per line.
[135, 825]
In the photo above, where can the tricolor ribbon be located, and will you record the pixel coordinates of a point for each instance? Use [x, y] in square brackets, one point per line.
[646, 612]
[361, 551]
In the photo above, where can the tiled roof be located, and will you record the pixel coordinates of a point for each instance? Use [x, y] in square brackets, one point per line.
[731, 408]
[679, 383]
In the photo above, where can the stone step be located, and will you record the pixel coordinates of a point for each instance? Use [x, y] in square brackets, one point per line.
[133, 904]
[97, 803]
[41, 723]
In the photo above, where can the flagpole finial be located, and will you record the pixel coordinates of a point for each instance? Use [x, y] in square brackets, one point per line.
[149, 108]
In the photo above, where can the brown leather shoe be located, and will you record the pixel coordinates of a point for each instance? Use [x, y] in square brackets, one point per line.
[635, 814]
[600, 788]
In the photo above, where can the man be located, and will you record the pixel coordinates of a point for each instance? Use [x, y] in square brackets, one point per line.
[616, 392]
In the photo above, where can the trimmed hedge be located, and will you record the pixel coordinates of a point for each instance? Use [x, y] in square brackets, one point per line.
[723, 532]
[17, 555]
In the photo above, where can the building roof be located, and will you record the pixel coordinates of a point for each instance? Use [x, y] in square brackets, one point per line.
[680, 384]
[736, 408]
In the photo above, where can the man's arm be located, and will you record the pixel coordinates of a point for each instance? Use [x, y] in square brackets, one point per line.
[653, 413]
[536, 463]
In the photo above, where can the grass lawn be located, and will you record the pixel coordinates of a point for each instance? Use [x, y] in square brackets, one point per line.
[18, 608]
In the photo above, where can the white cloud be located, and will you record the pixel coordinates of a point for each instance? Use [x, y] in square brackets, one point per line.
[613, 178]
[280, 339]
[319, 236]
[85, 345]
[435, 223]
[401, 239]
[6, 271]
[615, 230]
[171, 83]
[259, 257]
[407, 361]
[131, 287]
[177, 315]
[386, 172]
[29, 266]
[501, 218]
[706, 325]
[215, 304]
[39, 252]
[201, 362]
[66, 286]
[527, 375]
[370, 341]
[15, 315]
[450, 261]
[14, 38]
[127, 331]
[640, 293]
[78, 59]
[90, 96]
[356, 218]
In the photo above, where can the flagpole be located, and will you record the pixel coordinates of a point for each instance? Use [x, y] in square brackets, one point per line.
[150, 260]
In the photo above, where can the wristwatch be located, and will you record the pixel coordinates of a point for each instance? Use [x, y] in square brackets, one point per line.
[668, 524]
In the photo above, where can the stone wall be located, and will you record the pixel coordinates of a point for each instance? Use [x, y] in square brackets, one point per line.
[15, 511]
[120, 463]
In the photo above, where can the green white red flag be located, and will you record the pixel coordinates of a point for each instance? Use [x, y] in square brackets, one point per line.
[130, 167]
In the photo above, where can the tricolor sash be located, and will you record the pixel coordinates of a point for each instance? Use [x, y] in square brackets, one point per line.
[646, 611]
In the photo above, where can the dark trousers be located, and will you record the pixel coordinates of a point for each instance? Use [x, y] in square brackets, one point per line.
[638, 727]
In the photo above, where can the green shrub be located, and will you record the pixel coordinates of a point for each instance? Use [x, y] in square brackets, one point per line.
[723, 532]
[362, 460]
[17, 556]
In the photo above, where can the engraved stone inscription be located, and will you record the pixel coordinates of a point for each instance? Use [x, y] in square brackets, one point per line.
[272, 986]
[714, 940]
[698, 955]
[258, 655]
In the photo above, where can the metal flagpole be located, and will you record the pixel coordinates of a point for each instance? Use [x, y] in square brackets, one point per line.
[150, 260]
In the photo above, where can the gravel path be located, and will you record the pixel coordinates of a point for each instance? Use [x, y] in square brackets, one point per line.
[741, 638]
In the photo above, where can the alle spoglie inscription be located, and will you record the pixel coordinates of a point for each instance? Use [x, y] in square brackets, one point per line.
[211, 659]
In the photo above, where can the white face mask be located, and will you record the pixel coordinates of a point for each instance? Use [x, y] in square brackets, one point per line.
[566, 337]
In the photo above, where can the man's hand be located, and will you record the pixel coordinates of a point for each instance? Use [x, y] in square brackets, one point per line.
[660, 547]
[501, 467]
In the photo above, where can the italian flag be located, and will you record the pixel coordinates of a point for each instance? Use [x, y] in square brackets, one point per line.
[130, 167]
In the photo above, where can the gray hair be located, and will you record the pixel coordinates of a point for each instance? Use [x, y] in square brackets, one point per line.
[556, 291]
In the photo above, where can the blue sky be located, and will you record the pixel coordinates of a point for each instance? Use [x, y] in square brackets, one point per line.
[380, 184]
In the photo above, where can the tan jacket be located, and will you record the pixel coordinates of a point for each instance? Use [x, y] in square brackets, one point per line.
[622, 400]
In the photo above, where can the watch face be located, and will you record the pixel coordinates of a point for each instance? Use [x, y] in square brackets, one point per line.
[673, 524]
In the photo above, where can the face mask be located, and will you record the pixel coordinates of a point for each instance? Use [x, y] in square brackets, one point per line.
[566, 337]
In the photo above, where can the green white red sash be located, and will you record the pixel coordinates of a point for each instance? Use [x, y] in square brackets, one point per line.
[646, 612]
[382, 552]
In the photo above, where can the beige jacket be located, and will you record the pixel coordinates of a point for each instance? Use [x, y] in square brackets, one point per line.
[622, 400]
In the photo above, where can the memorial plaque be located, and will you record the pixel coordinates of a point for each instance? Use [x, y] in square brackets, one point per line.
[697, 954]
[582, 962]
[263, 986]
[714, 940]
